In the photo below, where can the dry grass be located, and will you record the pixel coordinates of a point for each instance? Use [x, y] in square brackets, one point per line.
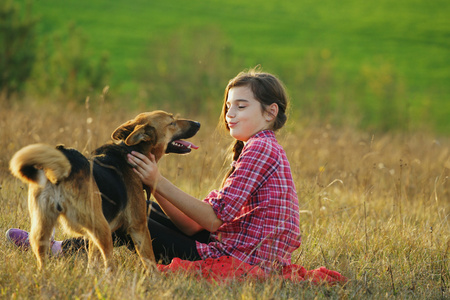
[374, 207]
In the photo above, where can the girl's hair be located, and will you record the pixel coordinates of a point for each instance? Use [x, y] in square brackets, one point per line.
[267, 89]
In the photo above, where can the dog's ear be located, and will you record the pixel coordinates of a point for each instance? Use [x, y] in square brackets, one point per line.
[142, 133]
[123, 131]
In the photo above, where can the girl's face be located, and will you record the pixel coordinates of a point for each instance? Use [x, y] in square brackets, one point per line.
[245, 116]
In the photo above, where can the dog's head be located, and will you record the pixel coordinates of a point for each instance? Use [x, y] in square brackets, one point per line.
[158, 132]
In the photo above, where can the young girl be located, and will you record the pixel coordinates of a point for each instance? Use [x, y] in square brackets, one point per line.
[254, 217]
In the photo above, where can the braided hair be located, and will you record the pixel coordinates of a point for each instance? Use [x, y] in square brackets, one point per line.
[267, 89]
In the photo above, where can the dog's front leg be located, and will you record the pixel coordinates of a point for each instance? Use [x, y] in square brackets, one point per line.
[143, 244]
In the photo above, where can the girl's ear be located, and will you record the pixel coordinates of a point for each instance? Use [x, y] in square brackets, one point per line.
[271, 112]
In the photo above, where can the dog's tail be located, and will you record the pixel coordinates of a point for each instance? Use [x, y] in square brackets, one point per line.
[38, 163]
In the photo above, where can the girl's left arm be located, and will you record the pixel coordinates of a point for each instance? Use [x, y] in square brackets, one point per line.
[199, 211]
[183, 222]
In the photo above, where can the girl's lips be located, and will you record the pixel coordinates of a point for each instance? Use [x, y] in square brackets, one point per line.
[231, 124]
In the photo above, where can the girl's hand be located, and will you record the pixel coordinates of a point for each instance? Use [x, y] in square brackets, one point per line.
[145, 167]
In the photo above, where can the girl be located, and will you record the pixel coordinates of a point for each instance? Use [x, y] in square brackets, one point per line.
[254, 217]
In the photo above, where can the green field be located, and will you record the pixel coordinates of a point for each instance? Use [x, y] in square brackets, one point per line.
[369, 59]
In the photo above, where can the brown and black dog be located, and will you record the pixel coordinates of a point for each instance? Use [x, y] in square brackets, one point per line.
[93, 197]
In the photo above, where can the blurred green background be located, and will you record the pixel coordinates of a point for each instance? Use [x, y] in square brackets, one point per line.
[381, 65]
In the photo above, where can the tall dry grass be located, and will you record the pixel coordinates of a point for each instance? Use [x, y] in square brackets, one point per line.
[373, 207]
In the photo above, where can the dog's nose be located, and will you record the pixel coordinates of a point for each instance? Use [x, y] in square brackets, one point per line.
[197, 124]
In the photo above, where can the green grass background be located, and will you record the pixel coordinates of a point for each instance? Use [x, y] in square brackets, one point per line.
[382, 57]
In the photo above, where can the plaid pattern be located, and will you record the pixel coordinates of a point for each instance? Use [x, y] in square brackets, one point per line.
[259, 207]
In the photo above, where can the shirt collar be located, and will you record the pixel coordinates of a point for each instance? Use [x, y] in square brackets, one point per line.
[263, 134]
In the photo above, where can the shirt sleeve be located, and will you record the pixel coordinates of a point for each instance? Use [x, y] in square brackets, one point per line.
[257, 162]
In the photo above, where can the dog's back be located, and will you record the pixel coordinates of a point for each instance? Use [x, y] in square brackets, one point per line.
[109, 169]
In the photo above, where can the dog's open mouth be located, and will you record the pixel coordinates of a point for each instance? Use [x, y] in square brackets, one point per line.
[180, 147]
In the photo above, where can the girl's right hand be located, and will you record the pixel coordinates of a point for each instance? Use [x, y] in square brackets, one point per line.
[145, 167]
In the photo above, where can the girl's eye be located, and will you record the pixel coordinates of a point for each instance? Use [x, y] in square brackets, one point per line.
[241, 106]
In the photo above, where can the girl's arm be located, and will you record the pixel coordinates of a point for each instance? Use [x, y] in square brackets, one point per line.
[200, 213]
[183, 222]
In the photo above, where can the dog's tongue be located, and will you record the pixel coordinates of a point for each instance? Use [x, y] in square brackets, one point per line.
[187, 144]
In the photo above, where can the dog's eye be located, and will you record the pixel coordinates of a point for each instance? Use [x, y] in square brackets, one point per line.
[173, 123]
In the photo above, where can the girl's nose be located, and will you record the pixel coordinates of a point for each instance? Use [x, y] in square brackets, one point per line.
[230, 113]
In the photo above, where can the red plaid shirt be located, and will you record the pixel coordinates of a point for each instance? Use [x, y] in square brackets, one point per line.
[258, 206]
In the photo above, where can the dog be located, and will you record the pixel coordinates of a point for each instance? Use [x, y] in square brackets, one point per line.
[95, 196]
